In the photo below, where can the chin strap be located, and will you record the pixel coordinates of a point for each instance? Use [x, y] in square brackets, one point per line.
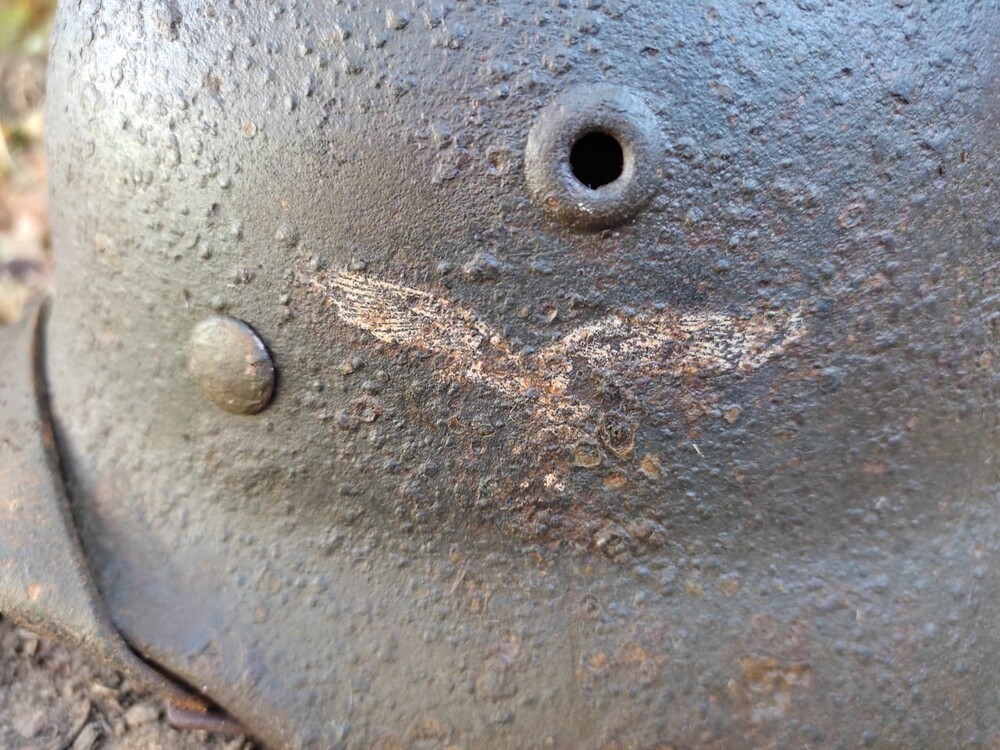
[45, 582]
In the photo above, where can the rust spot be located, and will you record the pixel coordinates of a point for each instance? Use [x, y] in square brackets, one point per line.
[651, 466]
[851, 215]
[633, 655]
[598, 662]
[587, 454]
[476, 596]
[367, 409]
[693, 587]
[613, 540]
[875, 468]
[617, 433]
[387, 742]
[732, 414]
[768, 686]
[428, 728]
[616, 481]
[729, 584]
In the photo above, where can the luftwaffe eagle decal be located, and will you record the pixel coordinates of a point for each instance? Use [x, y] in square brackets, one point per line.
[627, 350]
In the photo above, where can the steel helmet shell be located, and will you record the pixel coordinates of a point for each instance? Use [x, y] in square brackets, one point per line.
[602, 375]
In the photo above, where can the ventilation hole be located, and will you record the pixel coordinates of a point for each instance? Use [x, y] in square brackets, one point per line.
[596, 159]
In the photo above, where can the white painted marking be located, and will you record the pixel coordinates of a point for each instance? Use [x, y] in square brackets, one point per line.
[624, 349]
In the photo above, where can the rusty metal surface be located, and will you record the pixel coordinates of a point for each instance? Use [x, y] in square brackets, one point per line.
[721, 473]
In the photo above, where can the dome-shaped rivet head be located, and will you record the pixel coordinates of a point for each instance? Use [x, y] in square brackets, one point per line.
[231, 365]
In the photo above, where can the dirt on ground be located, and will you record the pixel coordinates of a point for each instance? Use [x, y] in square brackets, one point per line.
[53, 697]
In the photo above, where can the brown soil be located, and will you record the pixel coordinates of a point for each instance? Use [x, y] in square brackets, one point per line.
[55, 698]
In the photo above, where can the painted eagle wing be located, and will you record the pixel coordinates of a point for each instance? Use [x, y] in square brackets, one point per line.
[671, 344]
[407, 317]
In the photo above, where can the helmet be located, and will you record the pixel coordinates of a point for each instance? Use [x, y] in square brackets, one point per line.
[571, 374]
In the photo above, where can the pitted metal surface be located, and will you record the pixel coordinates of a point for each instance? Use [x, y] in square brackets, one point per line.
[44, 580]
[719, 469]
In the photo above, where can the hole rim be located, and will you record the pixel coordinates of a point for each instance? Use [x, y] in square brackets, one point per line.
[613, 111]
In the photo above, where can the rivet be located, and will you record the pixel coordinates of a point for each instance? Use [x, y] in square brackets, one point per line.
[231, 365]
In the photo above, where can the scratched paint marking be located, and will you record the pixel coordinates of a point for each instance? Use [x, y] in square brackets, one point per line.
[624, 349]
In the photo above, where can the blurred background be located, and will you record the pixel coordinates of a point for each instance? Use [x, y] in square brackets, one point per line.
[24, 256]
[51, 697]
